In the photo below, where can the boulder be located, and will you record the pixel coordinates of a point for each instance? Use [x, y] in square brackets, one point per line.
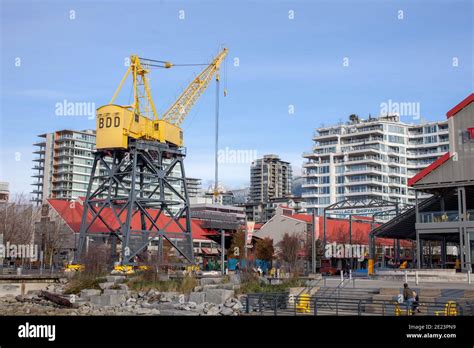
[116, 279]
[226, 311]
[197, 297]
[218, 296]
[106, 285]
[108, 299]
[209, 281]
[170, 296]
[237, 306]
[213, 311]
[234, 278]
[116, 292]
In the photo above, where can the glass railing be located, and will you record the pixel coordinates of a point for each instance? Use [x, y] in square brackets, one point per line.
[444, 216]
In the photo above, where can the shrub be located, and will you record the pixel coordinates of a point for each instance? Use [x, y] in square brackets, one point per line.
[82, 281]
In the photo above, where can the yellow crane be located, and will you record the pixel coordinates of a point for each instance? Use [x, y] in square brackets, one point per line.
[117, 124]
[137, 153]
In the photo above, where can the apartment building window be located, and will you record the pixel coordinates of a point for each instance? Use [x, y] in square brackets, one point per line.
[431, 139]
[358, 167]
[324, 190]
[324, 200]
[396, 139]
[340, 180]
[324, 180]
[340, 169]
[324, 169]
[430, 129]
[396, 129]
[340, 190]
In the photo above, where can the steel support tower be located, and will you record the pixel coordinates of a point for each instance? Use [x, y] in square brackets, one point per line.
[134, 189]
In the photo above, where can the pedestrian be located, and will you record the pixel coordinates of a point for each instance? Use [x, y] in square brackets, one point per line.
[416, 302]
[237, 267]
[408, 296]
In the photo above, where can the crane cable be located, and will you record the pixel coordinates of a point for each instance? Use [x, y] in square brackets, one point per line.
[165, 64]
[225, 78]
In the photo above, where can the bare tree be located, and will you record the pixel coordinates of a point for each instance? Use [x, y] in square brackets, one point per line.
[290, 247]
[264, 249]
[52, 240]
[236, 250]
[17, 220]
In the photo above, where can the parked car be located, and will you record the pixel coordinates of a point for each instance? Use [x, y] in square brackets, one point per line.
[329, 270]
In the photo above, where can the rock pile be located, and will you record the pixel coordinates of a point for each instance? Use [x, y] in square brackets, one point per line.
[115, 298]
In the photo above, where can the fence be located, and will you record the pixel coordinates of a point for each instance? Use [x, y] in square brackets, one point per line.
[285, 304]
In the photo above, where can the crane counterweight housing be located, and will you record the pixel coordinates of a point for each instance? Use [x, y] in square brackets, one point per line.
[115, 124]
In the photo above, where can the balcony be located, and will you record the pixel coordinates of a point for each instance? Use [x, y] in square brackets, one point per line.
[361, 148]
[444, 216]
[362, 140]
[363, 131]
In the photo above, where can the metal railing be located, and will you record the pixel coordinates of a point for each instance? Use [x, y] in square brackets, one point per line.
[276, 304]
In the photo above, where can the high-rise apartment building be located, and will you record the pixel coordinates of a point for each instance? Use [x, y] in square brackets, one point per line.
[270, 178]
[371, 158]
[194, 187]
[63, 164]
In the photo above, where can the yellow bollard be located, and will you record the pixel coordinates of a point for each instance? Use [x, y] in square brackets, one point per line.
[303, 305]
[450, 310]
[370, 268]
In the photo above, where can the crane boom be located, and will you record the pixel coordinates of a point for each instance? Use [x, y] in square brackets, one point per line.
[178, 111]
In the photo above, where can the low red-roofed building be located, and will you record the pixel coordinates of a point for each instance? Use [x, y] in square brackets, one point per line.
[337, 232]
[68, 214]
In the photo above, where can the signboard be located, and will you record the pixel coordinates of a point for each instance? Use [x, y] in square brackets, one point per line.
[359, 211]
[316, 227]
[250, 228]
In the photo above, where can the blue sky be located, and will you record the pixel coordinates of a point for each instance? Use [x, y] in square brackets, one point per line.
[282, 62]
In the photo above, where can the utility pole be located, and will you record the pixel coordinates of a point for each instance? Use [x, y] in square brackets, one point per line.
[222, 251]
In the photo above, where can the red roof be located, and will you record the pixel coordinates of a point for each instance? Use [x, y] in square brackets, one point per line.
[302, 217]
[468, 100]
[424, 172]
[337, 230]
[71, 213]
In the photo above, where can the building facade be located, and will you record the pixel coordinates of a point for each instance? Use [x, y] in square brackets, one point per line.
[194, 187]
[4, 192]
[369, 158]
[270, 178]
[63, 164]
[443, 225]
